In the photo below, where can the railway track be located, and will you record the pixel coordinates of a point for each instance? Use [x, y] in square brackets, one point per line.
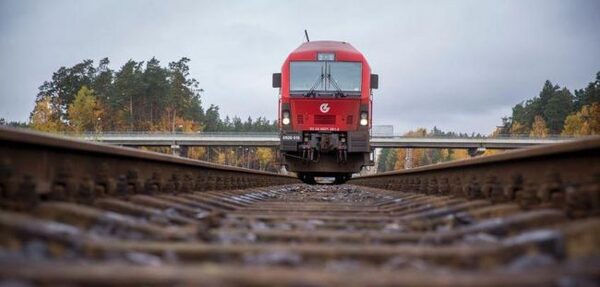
[76, 213]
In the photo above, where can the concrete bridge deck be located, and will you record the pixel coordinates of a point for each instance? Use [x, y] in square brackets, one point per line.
[272, 140]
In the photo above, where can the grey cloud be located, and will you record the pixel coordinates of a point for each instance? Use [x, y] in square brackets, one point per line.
[460, 65]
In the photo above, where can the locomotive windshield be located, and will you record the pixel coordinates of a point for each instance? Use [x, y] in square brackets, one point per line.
[325, 76]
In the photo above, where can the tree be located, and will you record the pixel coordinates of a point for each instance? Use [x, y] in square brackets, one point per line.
[84, 112]
[238, 125]
[195, 111]
[183, 91]
[102, 83]
[382, 159]
[518, 129]
[575, 125]
[554, 105]
[557, 108]
[400, 159]
[13, 124]
[538, 128]
[590, 95]
[248, 124]
[390, 161]
[128, 96]
[265, 156]
[65, 83]
[548, 91]
[231, 157]
[221, 157]
[584, 122]
[43, 117]
[212, 120]
[196, 152]
[156, 87]
[525, 113]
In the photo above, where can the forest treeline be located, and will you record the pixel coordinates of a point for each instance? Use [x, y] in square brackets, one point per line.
[554, 112]
[396, 159]
[146, 96]
[140, 96]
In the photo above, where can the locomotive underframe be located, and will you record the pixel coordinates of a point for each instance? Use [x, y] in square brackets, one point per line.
[327, 154]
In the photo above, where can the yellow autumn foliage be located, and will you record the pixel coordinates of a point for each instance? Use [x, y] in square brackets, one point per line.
[85, 113]
[538, 128]
[585, 122]
[518, 129]
[265, 156]
[43, 117]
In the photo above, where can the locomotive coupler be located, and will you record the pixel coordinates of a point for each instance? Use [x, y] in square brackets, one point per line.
[342, 154]
[309, 153]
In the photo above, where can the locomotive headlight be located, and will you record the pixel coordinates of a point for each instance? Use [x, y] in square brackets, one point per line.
[364, 119]
[286, 118]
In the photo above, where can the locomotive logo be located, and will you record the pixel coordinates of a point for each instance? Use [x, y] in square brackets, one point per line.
[324, 108]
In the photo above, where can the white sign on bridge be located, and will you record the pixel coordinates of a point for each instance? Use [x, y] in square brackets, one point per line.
[382, 131]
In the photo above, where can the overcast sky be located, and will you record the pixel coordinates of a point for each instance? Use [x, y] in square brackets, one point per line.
[458, 65]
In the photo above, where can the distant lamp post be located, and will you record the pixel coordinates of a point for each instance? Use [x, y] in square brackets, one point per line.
[247, 152]
[99, 125]
[239, 152]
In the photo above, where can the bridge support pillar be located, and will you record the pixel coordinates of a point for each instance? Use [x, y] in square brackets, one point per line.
[183, 151]
[175, 150]
[408, 158]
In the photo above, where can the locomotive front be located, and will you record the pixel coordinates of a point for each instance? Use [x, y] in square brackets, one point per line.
[325, 110]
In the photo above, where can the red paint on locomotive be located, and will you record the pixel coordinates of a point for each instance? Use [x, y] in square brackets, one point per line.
[325, 109]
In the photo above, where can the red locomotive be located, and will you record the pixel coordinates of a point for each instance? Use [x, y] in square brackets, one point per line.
[325, 110]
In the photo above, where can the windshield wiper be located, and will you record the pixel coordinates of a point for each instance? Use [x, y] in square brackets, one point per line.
[319, 80]
[339, 91]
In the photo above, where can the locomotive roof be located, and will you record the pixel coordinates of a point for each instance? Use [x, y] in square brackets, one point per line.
[328, 46]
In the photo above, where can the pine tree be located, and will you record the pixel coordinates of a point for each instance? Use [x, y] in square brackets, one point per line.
[212, 120]
[128, 98]
[556, 110]
[590, 95]
[156, 87]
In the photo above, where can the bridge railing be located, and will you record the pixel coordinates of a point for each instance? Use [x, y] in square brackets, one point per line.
[178, 134]
[271, 139]
[134, 134]
[525, 137]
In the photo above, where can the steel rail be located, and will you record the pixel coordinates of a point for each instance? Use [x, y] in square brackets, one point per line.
[34, 164]
[77, 213]
[565, 174]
